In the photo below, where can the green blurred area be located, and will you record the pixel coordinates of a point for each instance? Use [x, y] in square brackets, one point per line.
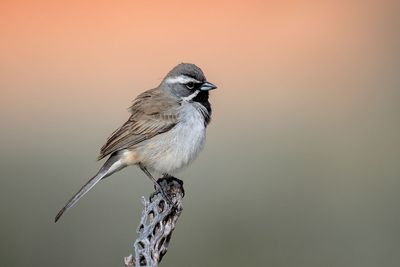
[301, 191]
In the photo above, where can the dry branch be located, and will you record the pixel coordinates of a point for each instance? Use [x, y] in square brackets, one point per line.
[158, 221]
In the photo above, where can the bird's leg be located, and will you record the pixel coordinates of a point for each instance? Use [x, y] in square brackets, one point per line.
[158, 186]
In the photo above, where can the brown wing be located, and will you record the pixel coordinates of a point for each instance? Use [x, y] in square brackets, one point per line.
[152, 113]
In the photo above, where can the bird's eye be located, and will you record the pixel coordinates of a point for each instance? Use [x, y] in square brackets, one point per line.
[190, 85]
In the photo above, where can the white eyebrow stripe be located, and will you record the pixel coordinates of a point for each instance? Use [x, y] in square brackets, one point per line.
[181, 79]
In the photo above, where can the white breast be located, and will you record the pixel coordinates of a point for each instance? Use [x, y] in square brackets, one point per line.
[171, 151]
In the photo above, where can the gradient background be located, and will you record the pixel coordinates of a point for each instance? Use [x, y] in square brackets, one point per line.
[301, 166]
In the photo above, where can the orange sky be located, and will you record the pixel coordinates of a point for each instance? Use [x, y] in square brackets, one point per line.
[98, 53]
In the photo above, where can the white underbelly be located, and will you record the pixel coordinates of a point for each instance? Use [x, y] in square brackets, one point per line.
[171, 151]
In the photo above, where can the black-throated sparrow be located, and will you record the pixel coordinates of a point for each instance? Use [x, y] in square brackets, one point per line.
[165, 132]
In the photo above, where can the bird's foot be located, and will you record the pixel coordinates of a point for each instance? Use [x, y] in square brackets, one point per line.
[164, 194]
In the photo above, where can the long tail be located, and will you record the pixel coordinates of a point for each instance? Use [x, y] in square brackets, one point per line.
[112, 165]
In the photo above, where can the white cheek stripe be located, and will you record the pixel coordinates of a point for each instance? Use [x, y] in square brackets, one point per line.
[190, 97]
[181, 79]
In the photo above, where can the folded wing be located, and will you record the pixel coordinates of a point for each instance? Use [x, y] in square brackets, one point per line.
[153, 113]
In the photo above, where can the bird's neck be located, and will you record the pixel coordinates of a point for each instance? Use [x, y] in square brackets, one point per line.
[202, 98]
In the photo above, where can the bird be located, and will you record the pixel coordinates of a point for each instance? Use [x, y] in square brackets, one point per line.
[165, 132]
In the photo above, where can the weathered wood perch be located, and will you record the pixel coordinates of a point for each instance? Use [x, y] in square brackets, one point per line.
[158, 221]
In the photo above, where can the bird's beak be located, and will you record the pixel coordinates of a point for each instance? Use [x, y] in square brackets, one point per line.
[206, 86]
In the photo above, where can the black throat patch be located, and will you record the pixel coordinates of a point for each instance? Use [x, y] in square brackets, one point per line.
[202, 98]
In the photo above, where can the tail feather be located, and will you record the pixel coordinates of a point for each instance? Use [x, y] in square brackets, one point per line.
[112, 165]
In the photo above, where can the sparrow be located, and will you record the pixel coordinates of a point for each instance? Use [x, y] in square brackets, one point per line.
[164, 133]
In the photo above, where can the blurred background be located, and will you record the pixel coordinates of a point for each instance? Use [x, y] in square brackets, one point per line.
[301, 165]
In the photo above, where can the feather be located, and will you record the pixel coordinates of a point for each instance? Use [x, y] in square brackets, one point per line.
[153, 113]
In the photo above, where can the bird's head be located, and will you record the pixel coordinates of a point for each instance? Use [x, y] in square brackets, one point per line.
[186, 81]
